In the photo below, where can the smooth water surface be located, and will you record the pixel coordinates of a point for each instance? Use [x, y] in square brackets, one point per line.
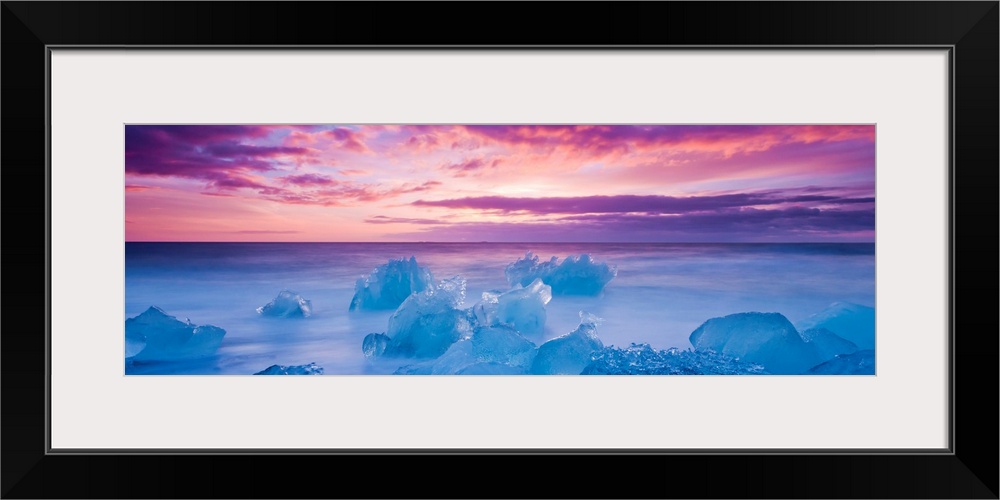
[662, 292]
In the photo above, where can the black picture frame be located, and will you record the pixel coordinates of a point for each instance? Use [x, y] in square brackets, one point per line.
[969, 470]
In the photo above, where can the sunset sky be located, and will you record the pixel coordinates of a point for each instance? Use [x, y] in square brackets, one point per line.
[509, 183]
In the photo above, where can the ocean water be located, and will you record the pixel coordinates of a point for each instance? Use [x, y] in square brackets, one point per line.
[662, 292]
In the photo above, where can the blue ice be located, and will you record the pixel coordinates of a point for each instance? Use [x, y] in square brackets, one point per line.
[569, 354]
[521, 307]
[310, 369]
[389, 284]
[427, 323]
[576, 275]
[374, 345]
[491, 350]
[768, 339]
[853, 322]
[826, 343]
[858, 363]
[642, 359]
[154, 335]
[287, 304]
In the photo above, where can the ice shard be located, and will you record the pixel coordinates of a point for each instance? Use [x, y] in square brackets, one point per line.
[155, 335]
[576, 275]
[570, 353]
[287, 304]
[389, 284]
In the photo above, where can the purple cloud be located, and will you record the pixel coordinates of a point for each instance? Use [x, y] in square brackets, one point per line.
[205, 152]
[650, 204]
[795, 224]
[602, 139]
[468, 166]
[309, 180]
[349, 139]
[381, 219]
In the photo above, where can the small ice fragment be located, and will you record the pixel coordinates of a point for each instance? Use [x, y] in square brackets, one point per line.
[389, 284]
[641, 359]
[570, 353]
[154, 335]
[310, 369]
[374, 345]
[287, 304]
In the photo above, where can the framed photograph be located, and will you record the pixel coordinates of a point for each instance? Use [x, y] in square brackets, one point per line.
[705, 226]
[737, 251]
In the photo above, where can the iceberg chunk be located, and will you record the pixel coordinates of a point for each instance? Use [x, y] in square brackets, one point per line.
[458, 356]
[503, 345]
[522, 308]
[826, 343]
[576, 275]
[858, 363]
[768, 339]
[570, 353]
[496, 350]
[427, 323]
[388, 285]
[310, 369]
[525, 270]
[287, 304]
[154, 335]
[853, 322]
[641, 359]
[374, 345]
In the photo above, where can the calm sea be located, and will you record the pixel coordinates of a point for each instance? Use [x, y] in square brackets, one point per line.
[661, 294]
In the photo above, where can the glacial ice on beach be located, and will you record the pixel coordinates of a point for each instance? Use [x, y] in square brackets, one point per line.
[853, 322]
[389, 284]
[576, 275]
[287, 304]
[858, 363]
[310, 369]
[374, 345]
[502, 345]
[569, 354]
[427, 323]
[826, 343]
[768, 339]
[642, 359]
[521, 307]
[492, 350]
[154, 335]
[458, 356]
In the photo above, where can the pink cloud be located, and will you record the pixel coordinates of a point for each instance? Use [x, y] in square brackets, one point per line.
[531, 172]
[347, 139]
